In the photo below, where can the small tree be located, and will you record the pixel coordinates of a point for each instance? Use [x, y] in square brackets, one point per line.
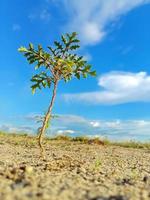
[58, 63]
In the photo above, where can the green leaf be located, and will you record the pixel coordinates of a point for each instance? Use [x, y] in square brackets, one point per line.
[33, 90]
[64, 39]
[46, 55]
[58, 45]
[75, 41]
[73, 35]
[53, 51]
[87, 68]
[37, 67]
[44, 84]
[79, 58]
[27, 54]
[40, 47]
[74, 47]
[49, 83]
[77, 75]
[31, 61]
[69, 63]
[84, 75]
[93, 73]
[22, 49]
[31, 46]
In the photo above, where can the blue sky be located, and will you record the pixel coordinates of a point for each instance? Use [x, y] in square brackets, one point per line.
[115, 39]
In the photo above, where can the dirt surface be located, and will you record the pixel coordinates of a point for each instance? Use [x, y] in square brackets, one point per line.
[72, 171]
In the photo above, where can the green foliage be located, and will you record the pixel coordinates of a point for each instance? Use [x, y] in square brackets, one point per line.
[83, 139]
[133, 144]
[57, 63]
[97, 163]
[62, 137]
[41, 80]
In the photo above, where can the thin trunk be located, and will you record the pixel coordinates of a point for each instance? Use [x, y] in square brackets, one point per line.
[46, 120]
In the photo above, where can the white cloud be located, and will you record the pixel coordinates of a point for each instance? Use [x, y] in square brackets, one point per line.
[117, 88]
[114, 129]
[126, 50]
[95, 124]
[43, 15]
[16, 27]
[64, 132]
[87, 57]
[113, 124]
[16, 129]
[34, 117]
[77, 126]
[70, 120]
[91, 17]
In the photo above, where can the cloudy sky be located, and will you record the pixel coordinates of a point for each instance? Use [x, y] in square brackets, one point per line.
[115, 39]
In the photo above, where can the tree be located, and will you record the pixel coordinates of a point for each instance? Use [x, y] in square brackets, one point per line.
[58, 63]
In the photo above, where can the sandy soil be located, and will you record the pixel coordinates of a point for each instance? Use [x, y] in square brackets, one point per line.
[73, 171]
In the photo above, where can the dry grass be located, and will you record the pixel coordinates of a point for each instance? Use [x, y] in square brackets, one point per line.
[98, 141]
[31, 140]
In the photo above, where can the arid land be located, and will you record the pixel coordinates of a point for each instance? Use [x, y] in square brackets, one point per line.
[73, 170]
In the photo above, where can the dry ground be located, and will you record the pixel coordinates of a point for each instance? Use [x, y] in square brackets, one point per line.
[73, 171]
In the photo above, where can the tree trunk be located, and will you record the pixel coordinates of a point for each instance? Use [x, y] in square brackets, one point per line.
[46, 120]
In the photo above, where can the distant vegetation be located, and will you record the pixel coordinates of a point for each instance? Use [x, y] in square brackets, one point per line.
[30, 140]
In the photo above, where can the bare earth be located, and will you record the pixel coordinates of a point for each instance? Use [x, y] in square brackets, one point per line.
[73, 171]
